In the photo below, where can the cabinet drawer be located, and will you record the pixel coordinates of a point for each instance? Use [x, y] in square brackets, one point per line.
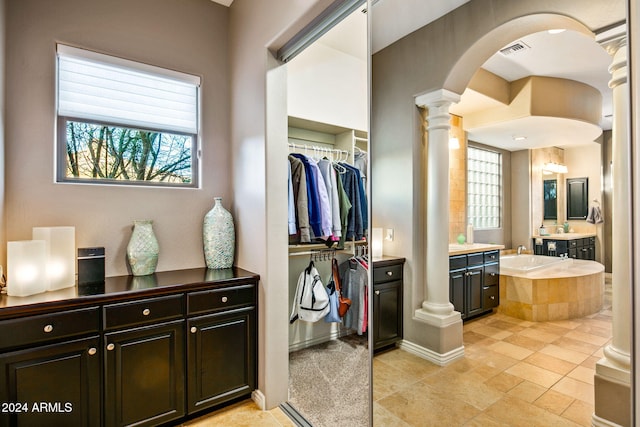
[490, 296]
[491, 256]
[592, 241]
[574, 243]
[221, 299]
[388, 273]
[458, 261]
[491, 274]
[475, 259]
[141, 312]
[48, 327]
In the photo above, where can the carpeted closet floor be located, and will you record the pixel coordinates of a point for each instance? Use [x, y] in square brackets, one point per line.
[329, 382]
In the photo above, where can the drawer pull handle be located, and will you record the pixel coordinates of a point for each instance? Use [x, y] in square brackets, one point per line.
[492, 297]
[146, 312]
[389, 273]
[111, 346]
[225, 299]
[485, 288]
[92, 351]
[493, 274]
[194, 329]
[377, 292]
[48, 328]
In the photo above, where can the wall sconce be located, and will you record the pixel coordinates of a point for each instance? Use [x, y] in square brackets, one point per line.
[60, 247]
[376, 243]
[454, 143]
[26, 268]
[553, 167]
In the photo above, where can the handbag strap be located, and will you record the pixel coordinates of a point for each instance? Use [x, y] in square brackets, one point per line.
[336, 275]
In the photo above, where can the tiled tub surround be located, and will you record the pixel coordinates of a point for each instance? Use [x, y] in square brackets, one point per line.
[565, 290]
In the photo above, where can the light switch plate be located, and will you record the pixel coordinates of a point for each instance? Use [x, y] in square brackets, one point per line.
[389, 234]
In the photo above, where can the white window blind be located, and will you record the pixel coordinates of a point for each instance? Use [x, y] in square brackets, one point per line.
[93, 86]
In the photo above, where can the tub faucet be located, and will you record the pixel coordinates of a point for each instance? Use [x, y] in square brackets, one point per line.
[521, 248]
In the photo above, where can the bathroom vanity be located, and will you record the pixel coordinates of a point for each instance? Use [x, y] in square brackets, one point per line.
[474, 273]
[135, 350]
[571, 245]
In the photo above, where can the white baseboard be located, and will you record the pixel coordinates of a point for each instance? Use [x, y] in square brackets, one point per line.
[319, 339]
[258, 397]
[430, 355]
[596, 421]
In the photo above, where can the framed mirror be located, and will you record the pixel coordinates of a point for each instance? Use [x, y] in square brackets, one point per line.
[550, 194]
[577, 198]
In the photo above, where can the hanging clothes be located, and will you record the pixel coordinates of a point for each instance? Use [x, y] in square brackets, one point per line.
[364, 209]
[300, 195]
[329, 175]
[293, 229]
[354, 286]
[345, 204]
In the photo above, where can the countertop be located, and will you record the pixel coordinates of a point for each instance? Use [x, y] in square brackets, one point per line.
[123, 287]
[565, 236]
[469, 248]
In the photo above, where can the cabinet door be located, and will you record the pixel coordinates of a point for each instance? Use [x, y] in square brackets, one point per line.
[221, 351]
[474, 290]
[59, 384]
[144, 375]
[456, 290]
[387, 313]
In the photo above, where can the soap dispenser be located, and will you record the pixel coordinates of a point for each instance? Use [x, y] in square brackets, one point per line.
[543, 231]
[470, 233]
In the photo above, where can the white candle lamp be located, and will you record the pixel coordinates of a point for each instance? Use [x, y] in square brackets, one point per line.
[376, 243]
[60, 246]
[26, 268]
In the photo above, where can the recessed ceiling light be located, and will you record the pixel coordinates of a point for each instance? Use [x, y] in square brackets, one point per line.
[519, 138]
[556, 31]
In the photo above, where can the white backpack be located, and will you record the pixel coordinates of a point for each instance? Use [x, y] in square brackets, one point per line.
[311, 302]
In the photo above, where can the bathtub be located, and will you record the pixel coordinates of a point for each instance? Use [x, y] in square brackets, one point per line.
[525, 262]
[541, 288]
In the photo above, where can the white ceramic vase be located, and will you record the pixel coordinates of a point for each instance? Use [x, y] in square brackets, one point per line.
[143, 249]
[218, 234]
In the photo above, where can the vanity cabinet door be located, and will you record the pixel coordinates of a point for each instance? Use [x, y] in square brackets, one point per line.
[144, 375]
[474, 279]
[52, 385]
[457, 280]
[387, 313]
[221, 352]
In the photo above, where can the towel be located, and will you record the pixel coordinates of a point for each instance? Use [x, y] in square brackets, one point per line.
[595, 215]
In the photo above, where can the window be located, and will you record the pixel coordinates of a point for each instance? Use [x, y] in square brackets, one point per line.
[484, 187]
[123, 122]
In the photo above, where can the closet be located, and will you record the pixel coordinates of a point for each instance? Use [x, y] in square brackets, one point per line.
[329, 359]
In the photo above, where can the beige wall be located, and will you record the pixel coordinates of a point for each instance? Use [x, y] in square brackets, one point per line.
[186, 35]
[407, 68]
[259, 146]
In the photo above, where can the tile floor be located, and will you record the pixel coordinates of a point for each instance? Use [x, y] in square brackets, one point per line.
[514, 373]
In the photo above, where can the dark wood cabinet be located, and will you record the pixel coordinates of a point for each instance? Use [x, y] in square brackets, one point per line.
[139, 357]
[52, 385]
[144, 375]
[221, 365]
[387, 302]
[473, 282]
[578, 248]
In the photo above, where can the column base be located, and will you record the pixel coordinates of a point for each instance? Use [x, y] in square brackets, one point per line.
[439, 340]
[612, 387]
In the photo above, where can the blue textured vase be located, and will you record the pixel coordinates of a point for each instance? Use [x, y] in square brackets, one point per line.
[143, 249]
[218, 235]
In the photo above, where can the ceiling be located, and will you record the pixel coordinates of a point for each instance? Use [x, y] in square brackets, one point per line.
[567, 55]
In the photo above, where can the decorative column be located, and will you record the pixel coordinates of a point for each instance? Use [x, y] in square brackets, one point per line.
[443, 325]
[613, 371]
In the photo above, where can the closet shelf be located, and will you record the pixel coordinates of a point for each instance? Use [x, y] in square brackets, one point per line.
[308, 248]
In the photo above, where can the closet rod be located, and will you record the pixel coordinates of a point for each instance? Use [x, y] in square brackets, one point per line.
[316, 148]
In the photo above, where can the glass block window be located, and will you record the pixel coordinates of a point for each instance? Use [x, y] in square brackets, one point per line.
[484, 187]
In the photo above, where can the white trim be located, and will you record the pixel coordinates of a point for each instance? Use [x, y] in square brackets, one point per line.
[319, 340]
[437, 97]
[440, 359]
[596, 421]
[258, 397]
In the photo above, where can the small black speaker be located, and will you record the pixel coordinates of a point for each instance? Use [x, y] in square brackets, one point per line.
[90, 266]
